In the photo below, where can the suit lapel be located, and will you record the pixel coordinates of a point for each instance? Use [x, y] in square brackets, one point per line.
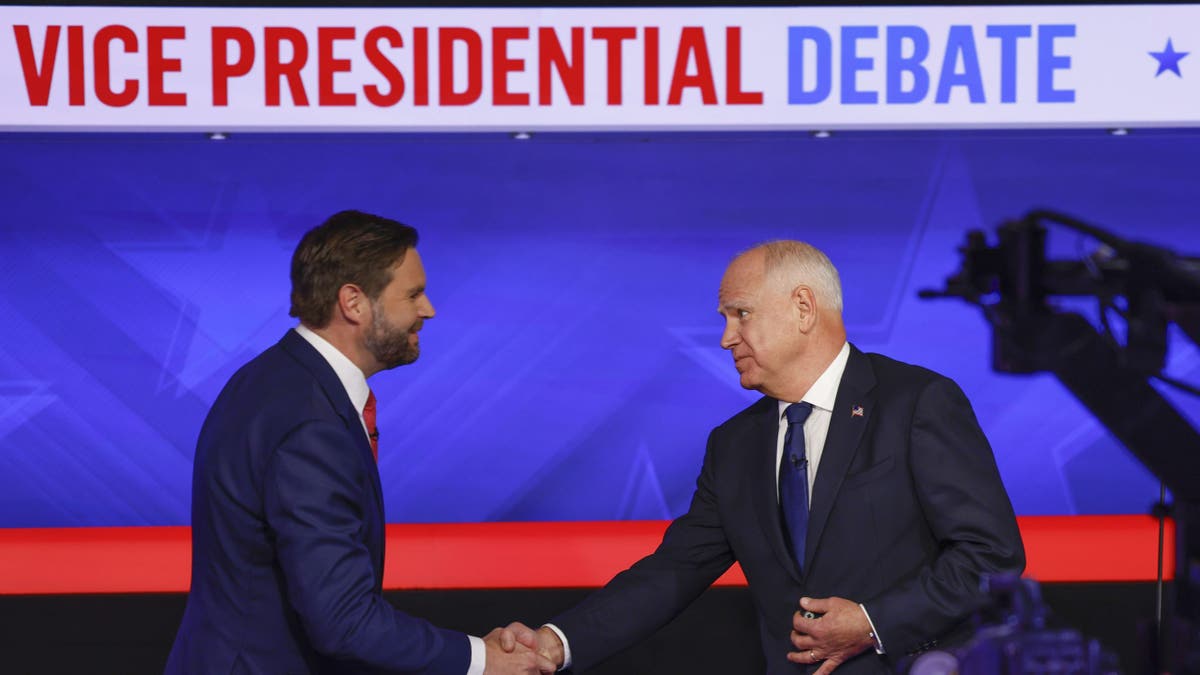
[851, 411]
[762, 440]
[308, 356]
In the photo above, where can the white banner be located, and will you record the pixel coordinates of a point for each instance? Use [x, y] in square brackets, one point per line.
[229, 69]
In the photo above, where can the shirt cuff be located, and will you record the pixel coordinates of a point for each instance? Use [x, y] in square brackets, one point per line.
[566, 645]
[478, 656]
[874, 633]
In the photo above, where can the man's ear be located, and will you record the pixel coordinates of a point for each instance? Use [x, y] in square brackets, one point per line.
[805, 302]
[352, 304]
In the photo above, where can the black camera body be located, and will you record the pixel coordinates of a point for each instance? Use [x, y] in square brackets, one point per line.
[1012, 637]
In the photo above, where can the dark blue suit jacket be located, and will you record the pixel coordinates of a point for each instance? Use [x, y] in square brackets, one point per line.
[288, 536]
[907, 513]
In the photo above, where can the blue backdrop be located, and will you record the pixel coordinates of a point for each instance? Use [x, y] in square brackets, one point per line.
[573, 370]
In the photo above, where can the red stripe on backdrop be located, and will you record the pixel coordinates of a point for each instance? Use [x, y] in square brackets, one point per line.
[517, 555]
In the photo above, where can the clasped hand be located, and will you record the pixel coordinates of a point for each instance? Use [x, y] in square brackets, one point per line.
[840, 633]
[514, 650]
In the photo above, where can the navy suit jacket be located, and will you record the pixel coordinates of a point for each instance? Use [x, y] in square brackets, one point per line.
[288, 536]
[907, 513]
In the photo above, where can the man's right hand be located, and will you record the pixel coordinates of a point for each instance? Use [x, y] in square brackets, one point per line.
[508, 656]
[549, 646]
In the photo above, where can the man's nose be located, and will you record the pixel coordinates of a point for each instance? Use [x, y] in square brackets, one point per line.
[729, 337]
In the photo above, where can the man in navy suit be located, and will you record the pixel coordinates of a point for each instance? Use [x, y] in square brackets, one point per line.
[287, 511]
[859, 495]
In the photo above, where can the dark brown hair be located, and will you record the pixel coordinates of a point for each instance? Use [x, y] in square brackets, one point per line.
[351, 247]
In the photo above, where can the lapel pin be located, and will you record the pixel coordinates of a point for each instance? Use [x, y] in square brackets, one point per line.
[856, 411]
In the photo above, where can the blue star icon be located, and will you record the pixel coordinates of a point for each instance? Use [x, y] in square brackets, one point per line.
[1168, 59]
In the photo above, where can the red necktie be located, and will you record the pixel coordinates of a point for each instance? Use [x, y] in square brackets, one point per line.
[369, 419]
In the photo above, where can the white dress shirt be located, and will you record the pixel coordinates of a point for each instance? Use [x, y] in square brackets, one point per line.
[356, 387]
[349, 375]
[821, 395]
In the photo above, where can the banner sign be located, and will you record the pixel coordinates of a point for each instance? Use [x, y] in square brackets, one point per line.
[355, 69]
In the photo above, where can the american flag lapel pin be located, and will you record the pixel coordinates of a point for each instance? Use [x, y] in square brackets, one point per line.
[856, 411]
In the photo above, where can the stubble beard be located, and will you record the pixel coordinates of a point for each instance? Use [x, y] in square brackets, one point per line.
[388, 344]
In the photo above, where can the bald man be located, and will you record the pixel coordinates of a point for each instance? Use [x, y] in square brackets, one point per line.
[858, 494]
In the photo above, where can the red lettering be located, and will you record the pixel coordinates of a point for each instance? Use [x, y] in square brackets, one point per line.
[550, 53]
[275, 69]
[327, 66]
[101, 54]
[384, 65]
[651, 61]
[691, 41]
[733, 71]
[446, 39]
[222, 69]
[77, 78]
[37, 79]
[421, 66]
[614, 37]
[502, 65]
[157, 65]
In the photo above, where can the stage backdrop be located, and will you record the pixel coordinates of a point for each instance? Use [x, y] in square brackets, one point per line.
[573, 369]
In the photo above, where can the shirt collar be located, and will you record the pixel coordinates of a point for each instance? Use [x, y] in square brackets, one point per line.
[823, 392]
[352, 379]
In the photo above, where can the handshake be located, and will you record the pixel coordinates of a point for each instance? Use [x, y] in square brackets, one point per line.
[519, 649]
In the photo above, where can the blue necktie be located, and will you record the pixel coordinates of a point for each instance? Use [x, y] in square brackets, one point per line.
[793, 481]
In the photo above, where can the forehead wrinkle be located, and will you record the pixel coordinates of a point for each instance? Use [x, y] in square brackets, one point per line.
[730, 301]
[742, 283]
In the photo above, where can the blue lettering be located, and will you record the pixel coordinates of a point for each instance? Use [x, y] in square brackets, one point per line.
[960, 41]
[898, 64]
[852, 63]
[907, 76]
[1008, 36]
[1048, 62]
[797, 36]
